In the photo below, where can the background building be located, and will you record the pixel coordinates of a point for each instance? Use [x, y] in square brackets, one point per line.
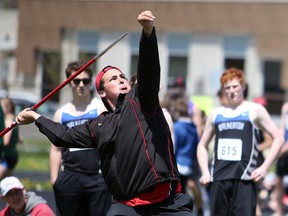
[8, 46]
[197, 41]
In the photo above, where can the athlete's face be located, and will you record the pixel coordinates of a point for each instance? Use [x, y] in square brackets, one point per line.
[234, 92]
[115, 83]
[81, 85]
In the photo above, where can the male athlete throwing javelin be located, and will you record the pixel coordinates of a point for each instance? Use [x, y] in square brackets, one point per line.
[133, 137]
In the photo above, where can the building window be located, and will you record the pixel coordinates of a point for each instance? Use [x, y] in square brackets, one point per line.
[234, 49]
[51, 74]
[87, 42]
[4, 71]
[235, 63]
[84, 57]
[133, 66]
[177, 69]
[134, 44]
[178, 61]
[272, 91]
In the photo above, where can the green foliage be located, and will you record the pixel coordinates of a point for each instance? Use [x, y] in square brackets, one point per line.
[36, 185]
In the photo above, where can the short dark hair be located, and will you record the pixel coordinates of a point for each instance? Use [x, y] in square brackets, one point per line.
[75, 66]
[181, 106]
[133, 80]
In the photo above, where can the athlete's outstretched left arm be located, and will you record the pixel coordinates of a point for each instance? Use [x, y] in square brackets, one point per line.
[60, 135]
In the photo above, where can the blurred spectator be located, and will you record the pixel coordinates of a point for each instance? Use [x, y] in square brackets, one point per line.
[264, 141]
[19, 202]
[261, 100]
[176, 90]
[282, 163]
[170, 122]
[223, 99]
[133, 80]
[9, 156]
[78, 184]
[186, 141]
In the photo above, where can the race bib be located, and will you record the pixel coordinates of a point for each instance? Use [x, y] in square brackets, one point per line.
[229, 149]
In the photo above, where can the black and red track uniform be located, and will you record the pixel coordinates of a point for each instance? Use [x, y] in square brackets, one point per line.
[134, 141]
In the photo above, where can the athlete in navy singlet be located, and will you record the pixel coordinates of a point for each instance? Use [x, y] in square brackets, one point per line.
[234, 168]
[78, 186]
[75, 159]
[232, 159]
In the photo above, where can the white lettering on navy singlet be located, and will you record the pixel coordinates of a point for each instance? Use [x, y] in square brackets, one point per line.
[230, 149]
[231, 125]
[72, 121]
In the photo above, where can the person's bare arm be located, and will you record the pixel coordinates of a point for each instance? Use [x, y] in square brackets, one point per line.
[20, 136]
[60, 135]
[284, 111]
[266, 143]
[197, 120]
[283, 120]
[55, 162]
[202, 150]
[7, 137]
[265, 122]
[55, 155]
[169, 120]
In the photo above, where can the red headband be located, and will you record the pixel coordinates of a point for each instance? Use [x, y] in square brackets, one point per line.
[101, 73]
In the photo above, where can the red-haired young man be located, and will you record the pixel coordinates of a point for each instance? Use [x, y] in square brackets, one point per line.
[234, 170]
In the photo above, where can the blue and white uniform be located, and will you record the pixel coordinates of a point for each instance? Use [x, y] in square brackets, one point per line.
[75, 159]
[80, 188]
[234, 160]
[235, 145]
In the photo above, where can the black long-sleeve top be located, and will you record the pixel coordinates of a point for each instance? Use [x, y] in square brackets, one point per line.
[134, 141]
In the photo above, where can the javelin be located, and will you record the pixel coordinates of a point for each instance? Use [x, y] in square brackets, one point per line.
[54, 91]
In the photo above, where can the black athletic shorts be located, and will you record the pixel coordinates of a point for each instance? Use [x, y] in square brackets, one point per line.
[233, 198]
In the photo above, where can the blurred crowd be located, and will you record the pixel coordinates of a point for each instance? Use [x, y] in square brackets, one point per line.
[272, 191]
[186, 122]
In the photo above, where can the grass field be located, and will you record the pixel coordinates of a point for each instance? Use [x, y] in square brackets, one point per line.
[34, 155]
[34, 158]
[33, 161]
